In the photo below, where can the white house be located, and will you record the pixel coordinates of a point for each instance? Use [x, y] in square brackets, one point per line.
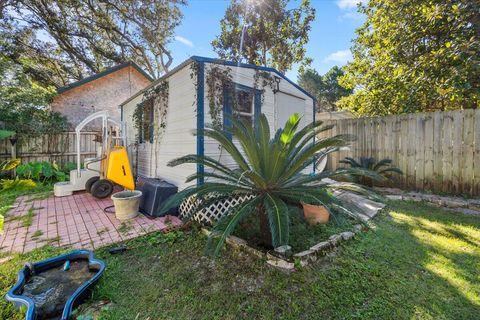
[188, 107]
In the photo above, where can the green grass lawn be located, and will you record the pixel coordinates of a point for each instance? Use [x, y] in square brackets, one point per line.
[420, 262]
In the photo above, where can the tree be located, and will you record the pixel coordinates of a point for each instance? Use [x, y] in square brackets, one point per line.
[325, 88]
[69, 40]
[23, 102]
[413, 55]
[272, 34]
[269, 171]
[312, 81]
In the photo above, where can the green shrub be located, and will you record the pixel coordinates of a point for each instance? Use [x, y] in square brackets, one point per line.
[8, 184]
[68, 166]
[42, 171]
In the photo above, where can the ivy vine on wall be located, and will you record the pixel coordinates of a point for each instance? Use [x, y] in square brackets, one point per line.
[193, 75]
[157, 96]
[157, 99]
[219, 83]
[262, 79]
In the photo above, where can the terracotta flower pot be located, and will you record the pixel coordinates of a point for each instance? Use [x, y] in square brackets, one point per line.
[315, 214]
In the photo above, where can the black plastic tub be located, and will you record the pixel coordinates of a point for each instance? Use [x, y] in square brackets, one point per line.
[19, 297]
[155, 192]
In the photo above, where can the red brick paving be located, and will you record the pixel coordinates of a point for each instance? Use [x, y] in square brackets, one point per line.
[76, 221]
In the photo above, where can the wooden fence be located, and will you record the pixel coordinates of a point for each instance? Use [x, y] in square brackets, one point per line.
[59, 147]
[438, 151]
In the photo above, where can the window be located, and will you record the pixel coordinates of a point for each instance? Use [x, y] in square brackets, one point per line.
[243, 105]
[146, 128]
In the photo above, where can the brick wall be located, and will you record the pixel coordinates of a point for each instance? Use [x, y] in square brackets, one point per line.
[105, 93]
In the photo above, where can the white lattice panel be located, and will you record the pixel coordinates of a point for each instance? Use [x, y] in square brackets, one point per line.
[212, 213]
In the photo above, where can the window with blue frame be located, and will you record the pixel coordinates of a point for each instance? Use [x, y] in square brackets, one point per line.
[146, 128]
[242, 103]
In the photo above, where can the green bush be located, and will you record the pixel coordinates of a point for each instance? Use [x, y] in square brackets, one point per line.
[8, 184]
[42, 171]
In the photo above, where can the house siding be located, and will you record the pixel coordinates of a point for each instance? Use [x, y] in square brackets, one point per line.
[245, 76]
[104, 93]
[177, 139]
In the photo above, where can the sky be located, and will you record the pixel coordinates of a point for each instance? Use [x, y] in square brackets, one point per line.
[330, 37]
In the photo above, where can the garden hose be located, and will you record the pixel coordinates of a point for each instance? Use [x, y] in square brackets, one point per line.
[106, 209]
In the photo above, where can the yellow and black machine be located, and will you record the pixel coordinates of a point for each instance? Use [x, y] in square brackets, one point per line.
[110, 166]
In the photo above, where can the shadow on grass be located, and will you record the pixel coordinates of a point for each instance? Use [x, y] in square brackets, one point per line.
[420, 263]
[395, 272]
[427, 261]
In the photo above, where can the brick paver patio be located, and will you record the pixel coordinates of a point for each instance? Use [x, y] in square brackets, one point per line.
[76, 221]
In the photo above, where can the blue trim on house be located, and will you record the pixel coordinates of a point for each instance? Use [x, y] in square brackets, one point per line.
[216, 61]
[250, 66]
[141, 129]
[257, 105]
[315, 158]
[200, 117]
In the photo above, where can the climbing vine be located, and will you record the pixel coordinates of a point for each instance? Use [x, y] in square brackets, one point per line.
[193, 75]
[219, 83]
[157, 98]
[262, 79]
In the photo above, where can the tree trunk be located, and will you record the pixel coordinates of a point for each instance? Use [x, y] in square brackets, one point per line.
[265, 234]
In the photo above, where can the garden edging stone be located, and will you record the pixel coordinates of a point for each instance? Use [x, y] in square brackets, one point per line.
[304, 258]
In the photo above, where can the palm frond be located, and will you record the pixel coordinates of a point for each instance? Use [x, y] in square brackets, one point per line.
[228, 145]
[382, 163]
[352, 162]
[277, 212]
[392, 170]
[10, 164]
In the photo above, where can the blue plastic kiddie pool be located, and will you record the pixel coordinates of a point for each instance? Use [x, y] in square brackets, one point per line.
[51, 288]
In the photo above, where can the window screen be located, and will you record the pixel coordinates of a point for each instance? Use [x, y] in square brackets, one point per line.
[146, 129]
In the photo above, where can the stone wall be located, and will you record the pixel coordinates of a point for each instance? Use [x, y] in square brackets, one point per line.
[105, 93]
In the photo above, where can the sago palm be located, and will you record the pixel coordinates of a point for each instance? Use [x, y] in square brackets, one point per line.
[383, 167]
[270, 170]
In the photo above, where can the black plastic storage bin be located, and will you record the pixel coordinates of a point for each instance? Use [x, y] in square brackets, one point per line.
[155, 192]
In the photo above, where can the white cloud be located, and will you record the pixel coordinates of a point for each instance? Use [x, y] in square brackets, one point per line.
[356, 16]
[340, 57]
[185, 41]
[348, 4]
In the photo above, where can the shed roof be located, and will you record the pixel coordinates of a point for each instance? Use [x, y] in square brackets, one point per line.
[217, 61]
[104, 73]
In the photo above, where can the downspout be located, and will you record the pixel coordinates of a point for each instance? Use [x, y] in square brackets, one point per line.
[200, 118]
